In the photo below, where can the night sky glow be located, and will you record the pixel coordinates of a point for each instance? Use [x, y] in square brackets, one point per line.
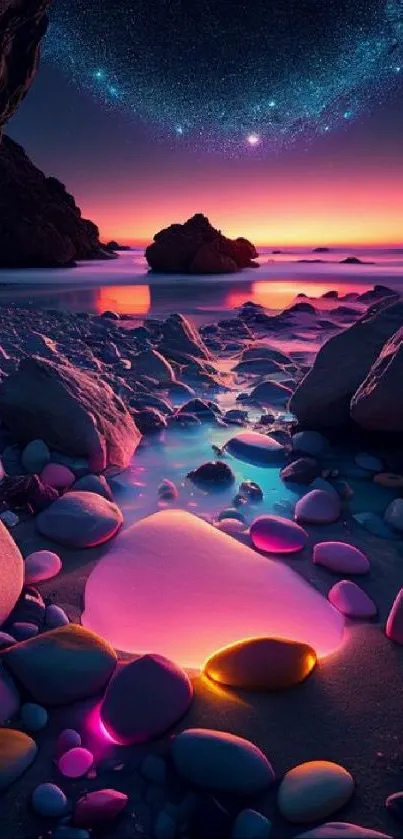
[282, 121]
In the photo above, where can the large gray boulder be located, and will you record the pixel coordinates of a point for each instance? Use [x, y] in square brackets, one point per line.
[73, 412]
[324, 395]
[377, 405]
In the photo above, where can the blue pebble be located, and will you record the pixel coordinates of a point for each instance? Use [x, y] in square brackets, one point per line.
[22, 630]
[33, 716]
[49, 800]
[55, 616]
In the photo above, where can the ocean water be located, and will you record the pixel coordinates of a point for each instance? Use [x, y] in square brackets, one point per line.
[126, 286]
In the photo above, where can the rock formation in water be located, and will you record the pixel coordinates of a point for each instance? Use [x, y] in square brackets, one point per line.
[40, 224]
[196, 247]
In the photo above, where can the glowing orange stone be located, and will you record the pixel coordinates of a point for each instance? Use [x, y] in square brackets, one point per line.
[262, 664]
[174, 585]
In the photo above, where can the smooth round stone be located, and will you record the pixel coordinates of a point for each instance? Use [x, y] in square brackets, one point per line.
[249, 824]
[317, 507]
[304, 470]
[49, 800]
[40, 566]
[309, 442]
[35, 457]
[262, 664]
[389, 479]
[167, 491]
[231, 526]
[252, 491]
[259, 449]
[314, 790]
[6, 640]
[394, 804]
[394, 514]
[22, 630]
[96, 807]
[368, 462]
[221, 762]
[342, 830]
[212, 475]
[80, 520]
[76, 762]
[375, 525]
[34, 716]
[145, 698]
[321, 483]
[55, 616]
[341, 558]
[230, 513]
[351, 600]
[9, 697]
[274, 534]
[94, 483]
[57, 476]
[67, 739]
[17, 751]
[394, 624]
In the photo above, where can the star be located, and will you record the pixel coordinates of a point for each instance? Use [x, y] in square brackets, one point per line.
[253, 139]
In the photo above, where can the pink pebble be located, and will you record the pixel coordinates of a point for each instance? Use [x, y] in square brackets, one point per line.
[341, 558]
[394, 626]
[76, 762]
[40, 566]
[351, 600]
[318, 507]
[101, 805]
[274, 534]
[57, 476]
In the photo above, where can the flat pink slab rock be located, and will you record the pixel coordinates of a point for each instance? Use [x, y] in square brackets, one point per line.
[341, 558]
[174, 585]
[351, 600]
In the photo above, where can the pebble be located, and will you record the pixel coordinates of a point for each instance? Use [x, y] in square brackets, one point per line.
[99, 806]
[55, 616]
[394, 805]
[9, 518]
[231, 513]
[394, 624]
[231, 526]
[154, 770]
[326, 486]
[34, 716]
[49, 800]
[165, 826]
[309, 442]
[342, 830]
[17, 751]
[80, 520]
[40, 566]
[22, 630]
[274, 534]
[9, 697]
[67, 739]
[368, 462]
[351, 600]
[57, 476]
[76, 762]
[6, 640]
[221, 762]
[167, 490]
[255, 448]
[145, 698]
[317, 507]
[389, 479]
[314, 790]
[93, 483]
[262, 664]
[252, 491]
[212, 475]
[394, 514]
[341, 558]
[249, 824]
[375, 525]
[304, 470]
[35, 457]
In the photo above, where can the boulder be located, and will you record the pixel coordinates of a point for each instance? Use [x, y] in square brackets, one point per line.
[271, 393]
[11, 573]
[342, 364]
[178, 334]
[152, 363]
[255, 448]
[221, 762]
[17, 751]
[72, 411]
[197, 247]
[144, 699]
[80, 520]
[62, 666]
[377, 404]
[262, 664]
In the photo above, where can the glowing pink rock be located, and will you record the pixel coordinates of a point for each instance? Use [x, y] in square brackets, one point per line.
[317, 507]
[274, 534]
[394, 625]
[351, 600]
[40, 566]
[260, 449]
[145, 699]
[57, 476]
[341, 558]
[177, 586]
[76, 762]
[99, 806]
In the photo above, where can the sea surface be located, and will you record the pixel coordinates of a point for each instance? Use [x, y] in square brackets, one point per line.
[128, 287]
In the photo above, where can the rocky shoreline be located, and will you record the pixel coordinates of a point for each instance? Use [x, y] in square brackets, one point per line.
[82, 398]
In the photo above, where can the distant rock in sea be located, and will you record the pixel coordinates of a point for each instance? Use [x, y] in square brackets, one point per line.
[353, 260]
[320, 250]
[196, 247]
[114, 246]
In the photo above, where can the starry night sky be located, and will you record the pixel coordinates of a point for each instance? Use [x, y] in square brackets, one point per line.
[281, 120]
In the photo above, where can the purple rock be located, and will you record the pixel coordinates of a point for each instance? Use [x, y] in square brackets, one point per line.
[318, 507]
[341, 558]
[76, 762]
[274, 534]
[68, 739]
[351, 600]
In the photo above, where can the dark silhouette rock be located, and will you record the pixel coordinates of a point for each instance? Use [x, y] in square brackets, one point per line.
[321, 250]
[353, 260]
[40, 224]
[113, 246]
[377, 405]
[22, 25]
[196, 247]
